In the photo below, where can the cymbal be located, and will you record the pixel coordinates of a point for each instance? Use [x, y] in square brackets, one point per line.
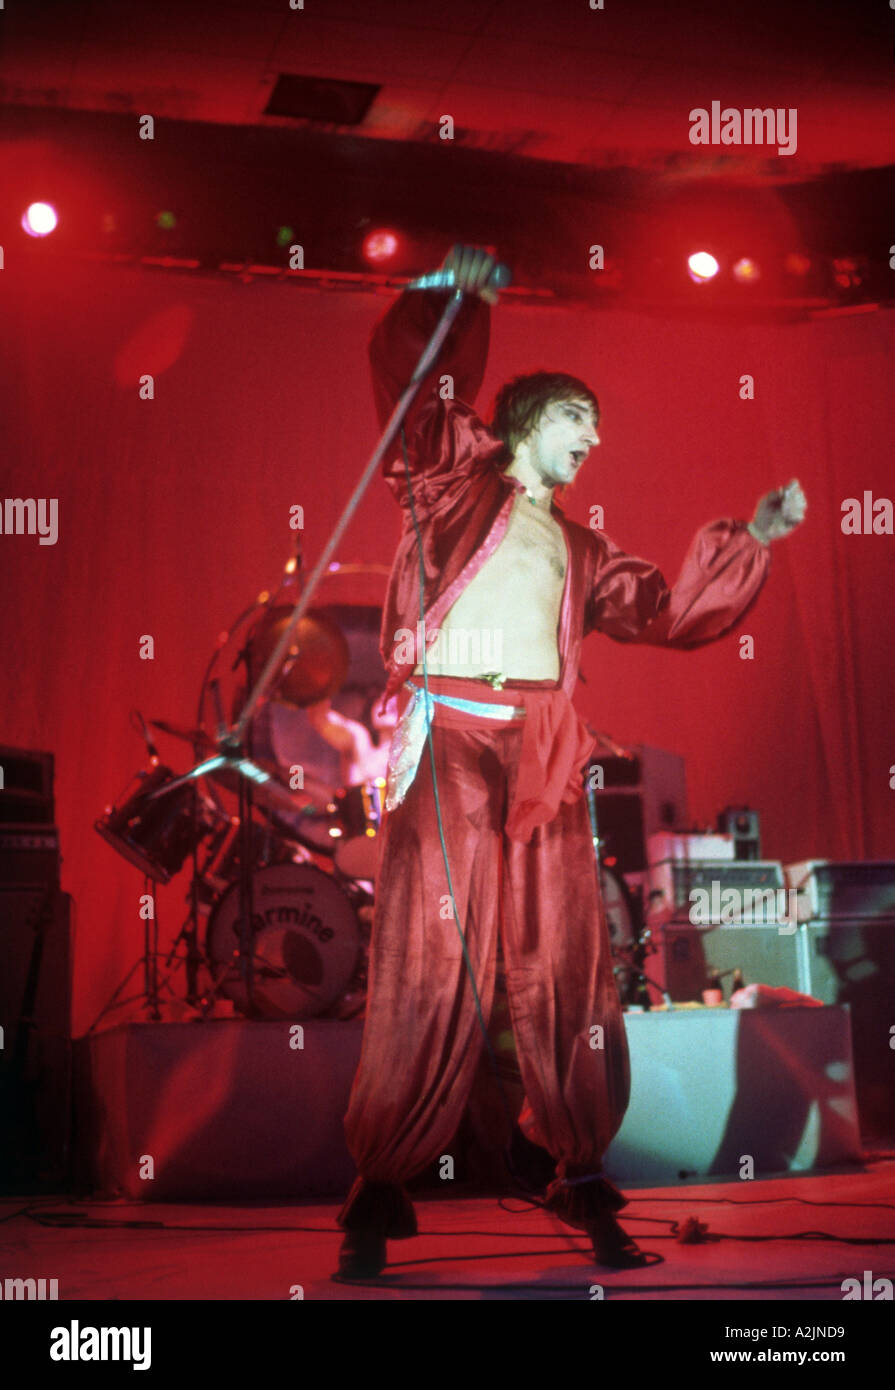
[316, 661]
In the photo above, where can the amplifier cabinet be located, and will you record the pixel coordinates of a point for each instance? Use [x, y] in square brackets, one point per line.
[678, 887]
[685, 845]
[640, 796]
[832, 891]
[29, 855]
[35, 1016]
[686, 956]
[26, 786]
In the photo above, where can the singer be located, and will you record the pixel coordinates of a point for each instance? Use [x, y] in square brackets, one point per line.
[509, 749]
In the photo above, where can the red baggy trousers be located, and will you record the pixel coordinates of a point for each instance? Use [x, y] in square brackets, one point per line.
[422, 1042]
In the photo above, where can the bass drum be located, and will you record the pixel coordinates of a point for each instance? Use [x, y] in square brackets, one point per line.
[305, 941]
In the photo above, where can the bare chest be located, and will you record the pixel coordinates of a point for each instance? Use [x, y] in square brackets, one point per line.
[534, 544]
[522, 582]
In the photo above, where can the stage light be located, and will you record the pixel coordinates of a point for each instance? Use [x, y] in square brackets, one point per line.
[746, 270]
[285, 236]
[702, 266]
[166, 220]
[379, 245]
[39, 219]
[797, 264]
[848, 272]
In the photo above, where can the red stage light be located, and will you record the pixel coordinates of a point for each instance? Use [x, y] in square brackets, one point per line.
[702, 266]
[746, 270]
[39, 219]
[379, 245]
[847, 272]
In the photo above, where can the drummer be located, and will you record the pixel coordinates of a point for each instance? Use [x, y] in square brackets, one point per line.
[361, 760]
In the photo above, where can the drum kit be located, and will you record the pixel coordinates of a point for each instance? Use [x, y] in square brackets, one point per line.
[273, 811]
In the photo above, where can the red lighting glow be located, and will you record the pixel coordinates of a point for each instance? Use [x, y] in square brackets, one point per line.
[39, 219]
[702, 266]
[379, 245]
[746, 270]
[797, 264]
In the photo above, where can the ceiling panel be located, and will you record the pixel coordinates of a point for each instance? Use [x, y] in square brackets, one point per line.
[551, 80]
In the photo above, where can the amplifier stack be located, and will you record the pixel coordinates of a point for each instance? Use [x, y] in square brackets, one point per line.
[35, 979]
[820, 928]
[713, 918]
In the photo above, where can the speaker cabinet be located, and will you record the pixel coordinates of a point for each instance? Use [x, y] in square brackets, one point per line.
[687, 955]
[854, 963]
[35, 1057]
[640, 795]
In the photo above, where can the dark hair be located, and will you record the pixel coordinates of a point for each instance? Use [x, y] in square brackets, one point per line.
[520, 404]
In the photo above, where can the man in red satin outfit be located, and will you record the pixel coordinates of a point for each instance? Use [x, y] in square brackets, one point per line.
[500, 588]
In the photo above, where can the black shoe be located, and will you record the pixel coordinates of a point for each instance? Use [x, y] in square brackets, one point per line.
[362, 1255]
[612, 1246]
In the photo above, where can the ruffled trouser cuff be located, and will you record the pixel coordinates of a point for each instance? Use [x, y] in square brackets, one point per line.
[578, 1201]
[382, 1208]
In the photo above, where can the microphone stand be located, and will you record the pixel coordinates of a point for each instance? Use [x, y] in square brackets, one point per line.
[235, 740]
[429, 354]
[232, 743]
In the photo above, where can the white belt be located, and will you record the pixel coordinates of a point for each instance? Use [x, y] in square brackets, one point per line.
[413, 727]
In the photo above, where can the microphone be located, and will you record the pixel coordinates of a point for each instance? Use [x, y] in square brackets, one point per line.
[499, 278]
[147, 739]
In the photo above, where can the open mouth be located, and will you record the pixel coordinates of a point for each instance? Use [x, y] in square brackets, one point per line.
[578, 455]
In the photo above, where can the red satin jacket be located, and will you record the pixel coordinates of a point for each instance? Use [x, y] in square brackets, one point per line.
[463, 501]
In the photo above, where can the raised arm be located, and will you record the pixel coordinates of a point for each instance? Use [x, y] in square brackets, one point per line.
[444, 434]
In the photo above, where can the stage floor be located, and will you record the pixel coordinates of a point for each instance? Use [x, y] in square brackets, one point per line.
[470, 1247]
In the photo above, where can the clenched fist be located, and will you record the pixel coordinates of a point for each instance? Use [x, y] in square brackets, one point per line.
[473, 267]
[779, 512]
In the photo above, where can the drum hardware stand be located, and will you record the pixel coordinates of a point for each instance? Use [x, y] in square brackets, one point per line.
[637, 991]
[189, 932]
[643, 947]
[149, 960]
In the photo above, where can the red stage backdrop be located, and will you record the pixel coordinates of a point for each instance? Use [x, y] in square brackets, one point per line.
[174, 512]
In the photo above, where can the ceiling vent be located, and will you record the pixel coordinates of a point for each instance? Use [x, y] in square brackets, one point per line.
[324, 99]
